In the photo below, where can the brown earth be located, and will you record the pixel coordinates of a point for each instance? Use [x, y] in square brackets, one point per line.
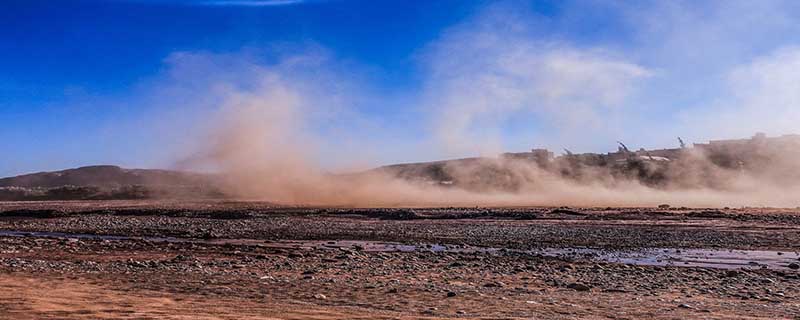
[250, 260]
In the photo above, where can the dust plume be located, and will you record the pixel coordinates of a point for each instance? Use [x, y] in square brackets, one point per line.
[482, 76]
[261, 146]
[263, 152]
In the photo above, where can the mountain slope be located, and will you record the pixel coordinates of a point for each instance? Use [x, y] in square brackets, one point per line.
[104, 176]
[108, 182]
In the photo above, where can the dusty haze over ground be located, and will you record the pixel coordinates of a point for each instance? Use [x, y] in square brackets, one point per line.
[264, 132]
[262, 155]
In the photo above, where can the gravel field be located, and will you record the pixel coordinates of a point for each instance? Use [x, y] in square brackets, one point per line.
[253, 260]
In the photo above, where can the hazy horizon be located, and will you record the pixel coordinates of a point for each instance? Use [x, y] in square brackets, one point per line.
[141, 83]
[556, 153]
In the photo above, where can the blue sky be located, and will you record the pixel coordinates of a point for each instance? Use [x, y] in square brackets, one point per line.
[137, 82]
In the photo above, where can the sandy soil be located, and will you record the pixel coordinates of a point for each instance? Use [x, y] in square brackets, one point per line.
[226, 260]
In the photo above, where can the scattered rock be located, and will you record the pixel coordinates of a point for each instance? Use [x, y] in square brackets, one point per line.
[567, 212]
[579, 287]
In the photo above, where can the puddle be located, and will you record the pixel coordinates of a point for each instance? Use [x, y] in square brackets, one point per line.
[706, 258]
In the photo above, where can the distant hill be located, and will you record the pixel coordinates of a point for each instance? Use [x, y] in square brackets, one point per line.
[104, 176]
[434, 171]
[477, 174]
[108, 182]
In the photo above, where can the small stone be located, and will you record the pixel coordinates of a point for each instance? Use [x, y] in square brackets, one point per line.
[685, 306]
[451, 294]
[579, 287]
[320, 296]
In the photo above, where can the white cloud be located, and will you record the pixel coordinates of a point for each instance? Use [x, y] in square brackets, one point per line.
[760, 96]
[489, 70]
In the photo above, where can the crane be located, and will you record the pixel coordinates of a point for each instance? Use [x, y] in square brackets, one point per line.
[624, 147]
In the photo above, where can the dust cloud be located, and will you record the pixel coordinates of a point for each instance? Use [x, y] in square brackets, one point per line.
[482, 73]
[262, 150]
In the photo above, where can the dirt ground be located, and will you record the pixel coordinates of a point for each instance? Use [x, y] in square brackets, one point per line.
[251, 260]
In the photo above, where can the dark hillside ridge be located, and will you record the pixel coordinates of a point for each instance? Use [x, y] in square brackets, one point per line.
[104, 176]
[106, 182]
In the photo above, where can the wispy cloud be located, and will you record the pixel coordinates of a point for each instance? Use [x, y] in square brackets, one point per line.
[226, 3]
[249, 3]
[489, 71]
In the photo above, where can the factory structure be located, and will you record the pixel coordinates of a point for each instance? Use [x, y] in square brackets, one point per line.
[727, 153]
[758, 154]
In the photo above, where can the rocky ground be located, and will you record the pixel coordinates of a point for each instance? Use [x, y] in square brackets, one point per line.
[245, 260]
